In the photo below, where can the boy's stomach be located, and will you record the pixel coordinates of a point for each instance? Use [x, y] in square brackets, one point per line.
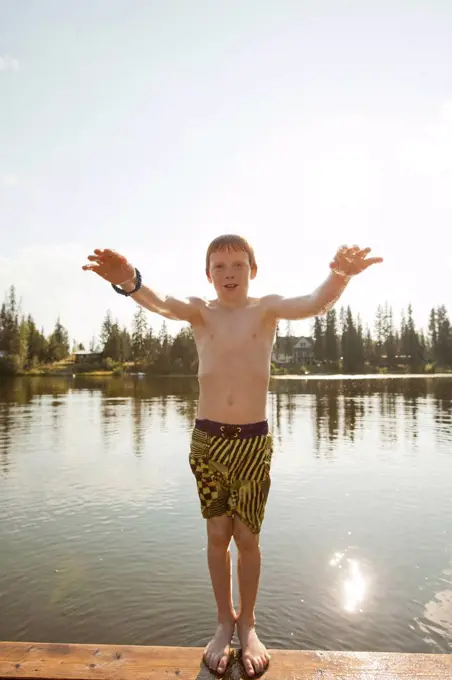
[232, 396]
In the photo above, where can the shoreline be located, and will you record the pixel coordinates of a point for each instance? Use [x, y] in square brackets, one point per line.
[311, 376]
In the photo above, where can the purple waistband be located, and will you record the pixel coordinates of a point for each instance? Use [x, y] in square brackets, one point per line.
[232, 431]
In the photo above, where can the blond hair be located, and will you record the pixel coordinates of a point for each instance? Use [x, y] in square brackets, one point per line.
[230, 242]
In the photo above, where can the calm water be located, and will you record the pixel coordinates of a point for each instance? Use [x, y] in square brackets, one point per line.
[101, 540]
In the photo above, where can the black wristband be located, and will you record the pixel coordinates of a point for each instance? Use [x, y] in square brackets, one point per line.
[131, 292]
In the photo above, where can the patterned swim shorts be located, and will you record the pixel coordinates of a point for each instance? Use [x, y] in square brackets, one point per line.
[231, 464]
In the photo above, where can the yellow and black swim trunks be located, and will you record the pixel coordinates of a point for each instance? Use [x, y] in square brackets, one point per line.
[231, 464]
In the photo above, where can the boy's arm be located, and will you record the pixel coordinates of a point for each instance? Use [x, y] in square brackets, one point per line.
[114, 268]
[347, 263]
[166, 305]
[304, 306]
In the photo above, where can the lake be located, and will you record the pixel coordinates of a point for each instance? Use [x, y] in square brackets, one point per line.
[101, 539]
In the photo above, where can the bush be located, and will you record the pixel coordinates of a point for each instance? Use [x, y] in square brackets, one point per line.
[10, 364]
[108, 364]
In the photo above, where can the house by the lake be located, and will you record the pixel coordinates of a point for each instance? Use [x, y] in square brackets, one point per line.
[293, 350]
[87, 357]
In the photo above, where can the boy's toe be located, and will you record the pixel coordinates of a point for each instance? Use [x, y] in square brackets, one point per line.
[222, 665]
[249, 668]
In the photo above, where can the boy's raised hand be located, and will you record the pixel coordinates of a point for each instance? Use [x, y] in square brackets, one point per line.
[352, 261]
[111, 266]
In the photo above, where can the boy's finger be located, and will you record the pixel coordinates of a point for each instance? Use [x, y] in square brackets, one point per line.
[91, 268]
[373, 260]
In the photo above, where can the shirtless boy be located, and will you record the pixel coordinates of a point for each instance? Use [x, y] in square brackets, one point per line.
[231, 447]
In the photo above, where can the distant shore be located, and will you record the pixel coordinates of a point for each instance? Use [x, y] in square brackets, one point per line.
[310, 376]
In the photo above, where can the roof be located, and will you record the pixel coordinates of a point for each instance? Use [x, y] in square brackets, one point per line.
[303, 343]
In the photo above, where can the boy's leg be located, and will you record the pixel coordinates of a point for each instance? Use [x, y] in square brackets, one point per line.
[255, 656]
[219, 534]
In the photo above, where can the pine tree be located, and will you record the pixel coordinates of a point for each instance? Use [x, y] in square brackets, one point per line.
[352, 345]
[36, 349]
[331, 340]
[388, 335]
[140, 331]
[23, 343]
[319, 339]
[183, 355]
[113, 347]
[9, 325]
[410, 342]
[444, 337]
[106, 329]
[369, 348]
[58, 344]
[433, 335]
[162, 362]
[379, 333]
[359, 355]
[126, 344]
[290, 340]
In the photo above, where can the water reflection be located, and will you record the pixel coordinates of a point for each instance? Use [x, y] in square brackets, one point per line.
[50, 395]
[339, 408]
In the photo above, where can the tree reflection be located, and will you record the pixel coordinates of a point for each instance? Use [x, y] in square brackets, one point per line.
[340, 409]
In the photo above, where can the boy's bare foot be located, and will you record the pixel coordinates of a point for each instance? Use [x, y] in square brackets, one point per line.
[216, 654]
[254, 655]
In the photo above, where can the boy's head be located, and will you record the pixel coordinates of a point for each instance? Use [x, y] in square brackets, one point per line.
[230, 264]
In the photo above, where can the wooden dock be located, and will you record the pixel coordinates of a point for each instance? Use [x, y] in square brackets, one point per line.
[116, 662]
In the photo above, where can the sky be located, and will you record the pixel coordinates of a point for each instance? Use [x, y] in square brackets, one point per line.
[151, 127]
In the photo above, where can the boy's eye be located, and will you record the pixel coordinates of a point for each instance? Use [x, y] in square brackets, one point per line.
[239, 265]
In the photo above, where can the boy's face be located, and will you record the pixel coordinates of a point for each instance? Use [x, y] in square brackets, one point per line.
[230, 273]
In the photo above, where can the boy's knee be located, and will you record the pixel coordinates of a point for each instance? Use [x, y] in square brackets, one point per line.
[219, 532]
[244, 538]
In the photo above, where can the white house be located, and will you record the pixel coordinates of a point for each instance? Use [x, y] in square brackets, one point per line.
[303, 351]
[293, 350]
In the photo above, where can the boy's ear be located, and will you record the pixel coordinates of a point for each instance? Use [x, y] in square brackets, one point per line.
[253, 272]
[209, 278]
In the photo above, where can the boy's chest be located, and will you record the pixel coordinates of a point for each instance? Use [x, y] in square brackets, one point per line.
[236, 329]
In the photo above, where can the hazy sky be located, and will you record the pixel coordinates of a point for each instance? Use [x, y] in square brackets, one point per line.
[152, 126]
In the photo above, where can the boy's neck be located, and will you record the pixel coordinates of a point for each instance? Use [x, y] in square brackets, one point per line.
[233, 304]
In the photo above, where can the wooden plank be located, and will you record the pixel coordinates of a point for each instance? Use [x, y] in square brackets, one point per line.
[116, 662]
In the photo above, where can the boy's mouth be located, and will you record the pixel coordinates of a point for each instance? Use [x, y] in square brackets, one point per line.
[230, 286]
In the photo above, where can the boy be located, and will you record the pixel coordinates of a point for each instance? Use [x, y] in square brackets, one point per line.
[231, 447]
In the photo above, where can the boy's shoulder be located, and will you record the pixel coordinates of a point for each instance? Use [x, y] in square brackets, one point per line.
[197, 302]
